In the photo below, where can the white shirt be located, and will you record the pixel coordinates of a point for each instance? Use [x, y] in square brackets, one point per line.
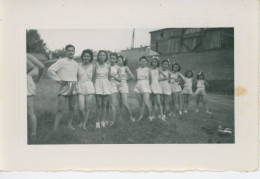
[64, 69]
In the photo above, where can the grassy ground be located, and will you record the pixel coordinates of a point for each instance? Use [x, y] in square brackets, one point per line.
[188, 128]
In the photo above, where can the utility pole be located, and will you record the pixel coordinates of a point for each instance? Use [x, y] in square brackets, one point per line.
[133, 39]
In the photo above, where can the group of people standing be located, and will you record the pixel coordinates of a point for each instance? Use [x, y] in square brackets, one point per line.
[156, 87]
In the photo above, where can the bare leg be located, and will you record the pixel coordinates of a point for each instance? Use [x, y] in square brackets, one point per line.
[153, 104]
[105, 99]
[174, 102]
[62, 100]
[126, 105]
[146, 100]
[112, 103]
[179, 96]
[158, 103]
[81, 102]
[204, 100]
[31, 115]
[197, 103]
[99, 106]
[88, 99]
[72, 101]
[120, 106]
[187, 101]
[142, 105]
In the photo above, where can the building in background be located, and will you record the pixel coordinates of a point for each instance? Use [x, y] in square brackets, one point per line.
[182, 40]
[200, 49]
[134, 54]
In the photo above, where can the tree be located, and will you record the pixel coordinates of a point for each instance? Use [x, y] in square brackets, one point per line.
[58, 53]
[34, 42]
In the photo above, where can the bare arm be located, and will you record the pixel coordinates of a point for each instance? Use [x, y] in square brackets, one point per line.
[206, 83]
[117, 76]
[135, 75]
[181, 76]
[169, 77]
[37, 67]
[94, 73]
[35, 61]
[128, 71]
[150, 76]
[29, 65]
[164, 77]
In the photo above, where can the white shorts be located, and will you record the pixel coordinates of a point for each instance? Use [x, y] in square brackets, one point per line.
[200, 91]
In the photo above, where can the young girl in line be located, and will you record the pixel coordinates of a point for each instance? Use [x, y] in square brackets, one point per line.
[84, 86]
[34, 72]
[125, 75]
[165, 86]
[102, 87]
[156, 87]
[187, 90]
[200, 92]
[114, 82]
[142, 87]
[176, 88]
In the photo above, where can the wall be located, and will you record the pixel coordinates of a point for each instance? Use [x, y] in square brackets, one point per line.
[216, 64]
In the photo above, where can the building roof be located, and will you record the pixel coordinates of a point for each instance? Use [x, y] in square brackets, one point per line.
[159, 30]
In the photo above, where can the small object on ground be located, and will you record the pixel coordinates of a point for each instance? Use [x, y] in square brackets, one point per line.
[111, 123]
[103, 124]
[107, 122]
[208, 112]
[150, 118]
[197, 110]
[133, 119]
[98, 125]
[139, 118]
[71, 127]
[224, 131]
[163, 118]
[185, 111]
[180, 112]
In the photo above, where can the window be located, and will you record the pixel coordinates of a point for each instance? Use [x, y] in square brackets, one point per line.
[162, 35]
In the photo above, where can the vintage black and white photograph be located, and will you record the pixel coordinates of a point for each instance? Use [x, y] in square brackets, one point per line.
[130, 86]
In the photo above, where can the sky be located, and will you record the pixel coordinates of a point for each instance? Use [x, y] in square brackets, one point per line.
[95, 39]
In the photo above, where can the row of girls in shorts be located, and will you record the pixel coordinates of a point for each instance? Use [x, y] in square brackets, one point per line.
[154, 84]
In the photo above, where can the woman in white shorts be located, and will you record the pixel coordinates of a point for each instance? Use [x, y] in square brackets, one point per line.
[201, 93]
[114, 80]
[34, 72]
[156, 87]
[84, 86]
[176, 88]
[125, 75]
[142, 87]
[102, 86]
[165, 86]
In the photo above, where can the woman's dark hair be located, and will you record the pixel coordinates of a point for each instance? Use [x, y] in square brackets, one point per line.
[125, 60]
[179, 67]
[90, 52]
[167, 61]
[143, 57]
[192, 74]
[114, 54]
[157, 60]
[100, 51]
[68, 46]
[201, 74]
